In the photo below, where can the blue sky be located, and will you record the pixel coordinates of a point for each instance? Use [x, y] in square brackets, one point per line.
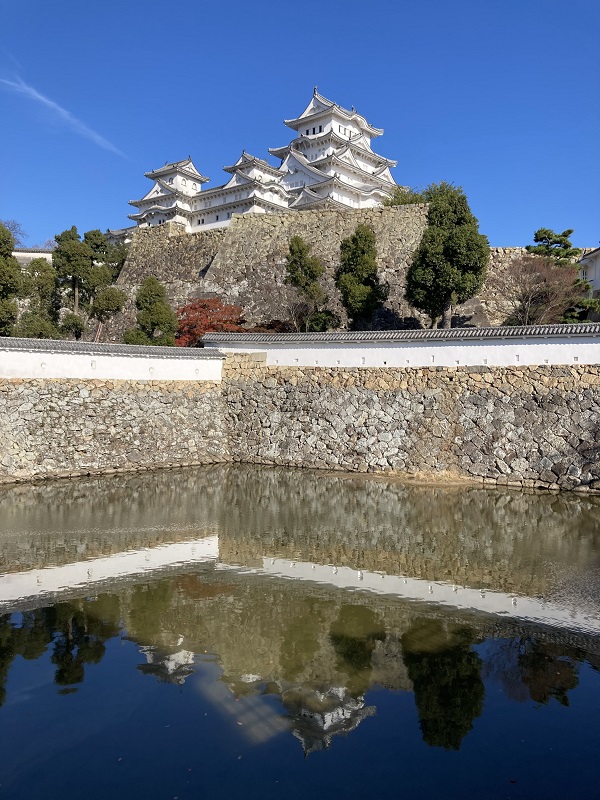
[500, 97]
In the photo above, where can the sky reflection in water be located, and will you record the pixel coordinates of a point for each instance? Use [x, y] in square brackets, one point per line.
[222, 632]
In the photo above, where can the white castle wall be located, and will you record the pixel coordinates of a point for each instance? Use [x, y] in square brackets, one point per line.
[495, 347]
[46, 359]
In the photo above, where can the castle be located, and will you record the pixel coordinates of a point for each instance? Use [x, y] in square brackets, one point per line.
[329, 164]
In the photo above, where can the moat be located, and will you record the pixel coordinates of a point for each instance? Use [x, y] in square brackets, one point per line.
[235, 631]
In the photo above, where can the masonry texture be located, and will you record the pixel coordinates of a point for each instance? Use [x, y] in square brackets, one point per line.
[523, 426]
[529, 426]
[244, 263]
[63, 427]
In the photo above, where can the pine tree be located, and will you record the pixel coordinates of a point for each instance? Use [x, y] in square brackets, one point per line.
[357, 278]
[156, 320]
[449, 265]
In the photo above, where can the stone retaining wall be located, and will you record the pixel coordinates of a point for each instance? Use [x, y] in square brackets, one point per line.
[56, 428]
[528, 426]
[244, 264]
[517, 426]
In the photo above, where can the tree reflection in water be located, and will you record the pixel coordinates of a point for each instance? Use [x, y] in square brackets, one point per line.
[446, 676]
[76, 632]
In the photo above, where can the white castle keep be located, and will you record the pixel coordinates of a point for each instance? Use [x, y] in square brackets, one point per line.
[329, 164]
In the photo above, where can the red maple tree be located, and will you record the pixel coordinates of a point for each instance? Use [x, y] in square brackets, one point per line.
[207, 314]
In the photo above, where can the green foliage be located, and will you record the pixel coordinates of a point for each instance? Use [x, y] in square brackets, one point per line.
[72, 325]
[155, 318]
[403, 196]
[115, 259]
[108, 301]
[97, 243]
[320, 321]
[554, 245]
[8, 316]
[10, 282]
[10, 277]
[357, 278]
[449, 265]
[100, 277]
[72, 259]
[33, 325]
[70, 235]
[10, 271]
[41, 286]
[7, 242]
[16, 231]
[303, 272]
[136, 336]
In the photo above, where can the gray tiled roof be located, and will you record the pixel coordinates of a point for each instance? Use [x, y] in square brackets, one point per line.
[438, 334]
[94, 349]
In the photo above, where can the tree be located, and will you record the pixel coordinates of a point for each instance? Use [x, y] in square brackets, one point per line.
[98, 245]
[156, 320]
[449, 265]
[544, 287]
[404, 196]
[554, 245]
[10, 282]
[73, 261]
[538, 290]
[116, 255]
[33, 325]
[15, 230]
[108, 302]
[41, 286]
[99, 278]
[303, 272]
[72, 325]
[208, 314]
[357, 278]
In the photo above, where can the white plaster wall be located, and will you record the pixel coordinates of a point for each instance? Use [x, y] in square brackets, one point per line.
[25, 257]
[500, 353]
[82, 366]
[591, 267]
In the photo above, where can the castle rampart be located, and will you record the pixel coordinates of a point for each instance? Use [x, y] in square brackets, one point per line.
[534, 425]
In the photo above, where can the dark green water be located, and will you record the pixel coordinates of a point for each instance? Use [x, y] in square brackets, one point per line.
[261, 633]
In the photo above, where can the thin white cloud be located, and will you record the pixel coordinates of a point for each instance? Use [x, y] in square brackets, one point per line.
[71, 121]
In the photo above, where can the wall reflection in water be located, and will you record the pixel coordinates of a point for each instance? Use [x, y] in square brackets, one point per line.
[317, 650]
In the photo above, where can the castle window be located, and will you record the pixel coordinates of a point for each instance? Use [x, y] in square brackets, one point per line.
[217, 218]
[320, 129]
[307, 131]
[314, 130]
[194, 186]
[183, 182]
[202, 221]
